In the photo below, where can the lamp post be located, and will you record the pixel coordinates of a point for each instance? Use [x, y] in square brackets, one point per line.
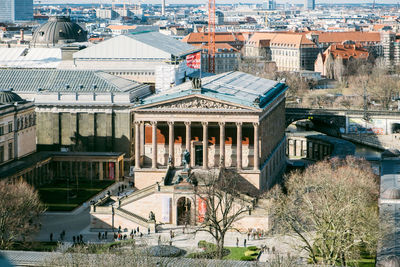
[112, 218]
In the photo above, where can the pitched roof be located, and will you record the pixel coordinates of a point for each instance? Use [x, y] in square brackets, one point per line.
[122, 27]
[220, 37]
[236, 87]
[136, 46]
[30, 80]
[340, 37]
[294, 40]
[220, 47]
[22, 57]
[163, 42]
[347, 51]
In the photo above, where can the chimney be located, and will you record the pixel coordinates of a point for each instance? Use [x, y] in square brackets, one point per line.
[163, 7]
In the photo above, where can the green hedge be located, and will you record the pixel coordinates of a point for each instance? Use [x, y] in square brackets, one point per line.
[253, 248]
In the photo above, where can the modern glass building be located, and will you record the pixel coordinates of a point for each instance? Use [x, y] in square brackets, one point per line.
[310, 4]
[16, 10]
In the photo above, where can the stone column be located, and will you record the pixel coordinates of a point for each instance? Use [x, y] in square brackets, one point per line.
[171, 141]
[142, 138]
[116, 170]
[222, 144]
[188, 138]
[256, 147]
[137, 144]
[205, 144]
[154, 145]
[239, 146]
[101, 177]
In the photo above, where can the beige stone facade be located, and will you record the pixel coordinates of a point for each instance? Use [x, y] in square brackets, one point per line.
[17, 131]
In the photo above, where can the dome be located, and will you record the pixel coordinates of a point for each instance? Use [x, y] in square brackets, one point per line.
[9, 97]
[59, 29]
[391, 193]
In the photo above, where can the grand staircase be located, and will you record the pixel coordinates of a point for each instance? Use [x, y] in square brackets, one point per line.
[132, 217]
[138, 195]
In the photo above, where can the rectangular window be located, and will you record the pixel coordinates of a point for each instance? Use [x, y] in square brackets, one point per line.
[10, 151]
[2, 130]
[1, 154]
[10, 128]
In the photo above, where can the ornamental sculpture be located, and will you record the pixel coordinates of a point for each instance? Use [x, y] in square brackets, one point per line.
[196, 103]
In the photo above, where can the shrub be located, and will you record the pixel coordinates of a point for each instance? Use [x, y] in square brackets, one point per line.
[251, 253]
[253, 248]
[247, 258]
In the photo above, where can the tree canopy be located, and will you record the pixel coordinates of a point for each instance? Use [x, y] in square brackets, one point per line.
[20, 206]
[331, 207]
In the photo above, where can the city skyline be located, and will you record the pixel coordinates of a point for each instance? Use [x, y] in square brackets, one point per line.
[219, 1]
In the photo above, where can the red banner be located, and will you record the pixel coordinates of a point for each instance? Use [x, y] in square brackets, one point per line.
[111, 175]
[201, 210]
[194, 60]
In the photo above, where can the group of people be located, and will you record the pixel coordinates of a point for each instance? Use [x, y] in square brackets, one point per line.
[102, 236]
[255, 234]
[77, 239]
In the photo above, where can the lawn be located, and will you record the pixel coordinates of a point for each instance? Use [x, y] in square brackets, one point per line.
[62, 196]
[235, 253]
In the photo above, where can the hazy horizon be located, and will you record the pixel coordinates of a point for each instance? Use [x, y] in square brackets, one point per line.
[218, 1]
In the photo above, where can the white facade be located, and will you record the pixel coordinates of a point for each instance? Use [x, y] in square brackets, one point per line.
[151, 58]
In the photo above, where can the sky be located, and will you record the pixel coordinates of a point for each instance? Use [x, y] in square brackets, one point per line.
[223, 1]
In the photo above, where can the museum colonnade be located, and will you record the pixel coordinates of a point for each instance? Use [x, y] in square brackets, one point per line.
[188, 145]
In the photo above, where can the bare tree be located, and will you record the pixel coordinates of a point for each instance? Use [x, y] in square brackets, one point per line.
[331, 208]
[221, 192]
[20, 206]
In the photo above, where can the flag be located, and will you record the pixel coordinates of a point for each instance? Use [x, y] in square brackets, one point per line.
[194, 60]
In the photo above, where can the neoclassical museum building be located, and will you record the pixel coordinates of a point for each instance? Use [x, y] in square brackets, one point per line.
[234, 120]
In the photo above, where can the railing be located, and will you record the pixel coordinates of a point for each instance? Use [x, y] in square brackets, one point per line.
[138, 194]
[336, 111]
[132, 217]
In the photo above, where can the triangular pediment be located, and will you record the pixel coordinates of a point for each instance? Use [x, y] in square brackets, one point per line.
[196, 103]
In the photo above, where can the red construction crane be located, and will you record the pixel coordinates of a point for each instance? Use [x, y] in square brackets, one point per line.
[211, 36]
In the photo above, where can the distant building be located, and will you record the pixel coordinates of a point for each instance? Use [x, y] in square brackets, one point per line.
[106, 14]
[269, 5]
[226, 58]
[16, 10]
[147, 57]
[17, 127]
[235, 39]
[310, 4]
[325, 61]
[57, 31]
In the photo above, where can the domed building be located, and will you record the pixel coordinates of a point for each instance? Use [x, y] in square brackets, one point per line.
[58, 30]
[9, 97]
[17, 126]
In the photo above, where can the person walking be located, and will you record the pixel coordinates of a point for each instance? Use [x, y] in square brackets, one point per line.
[237, 241]
[244, 242]
[148, 231]
[159, 240]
